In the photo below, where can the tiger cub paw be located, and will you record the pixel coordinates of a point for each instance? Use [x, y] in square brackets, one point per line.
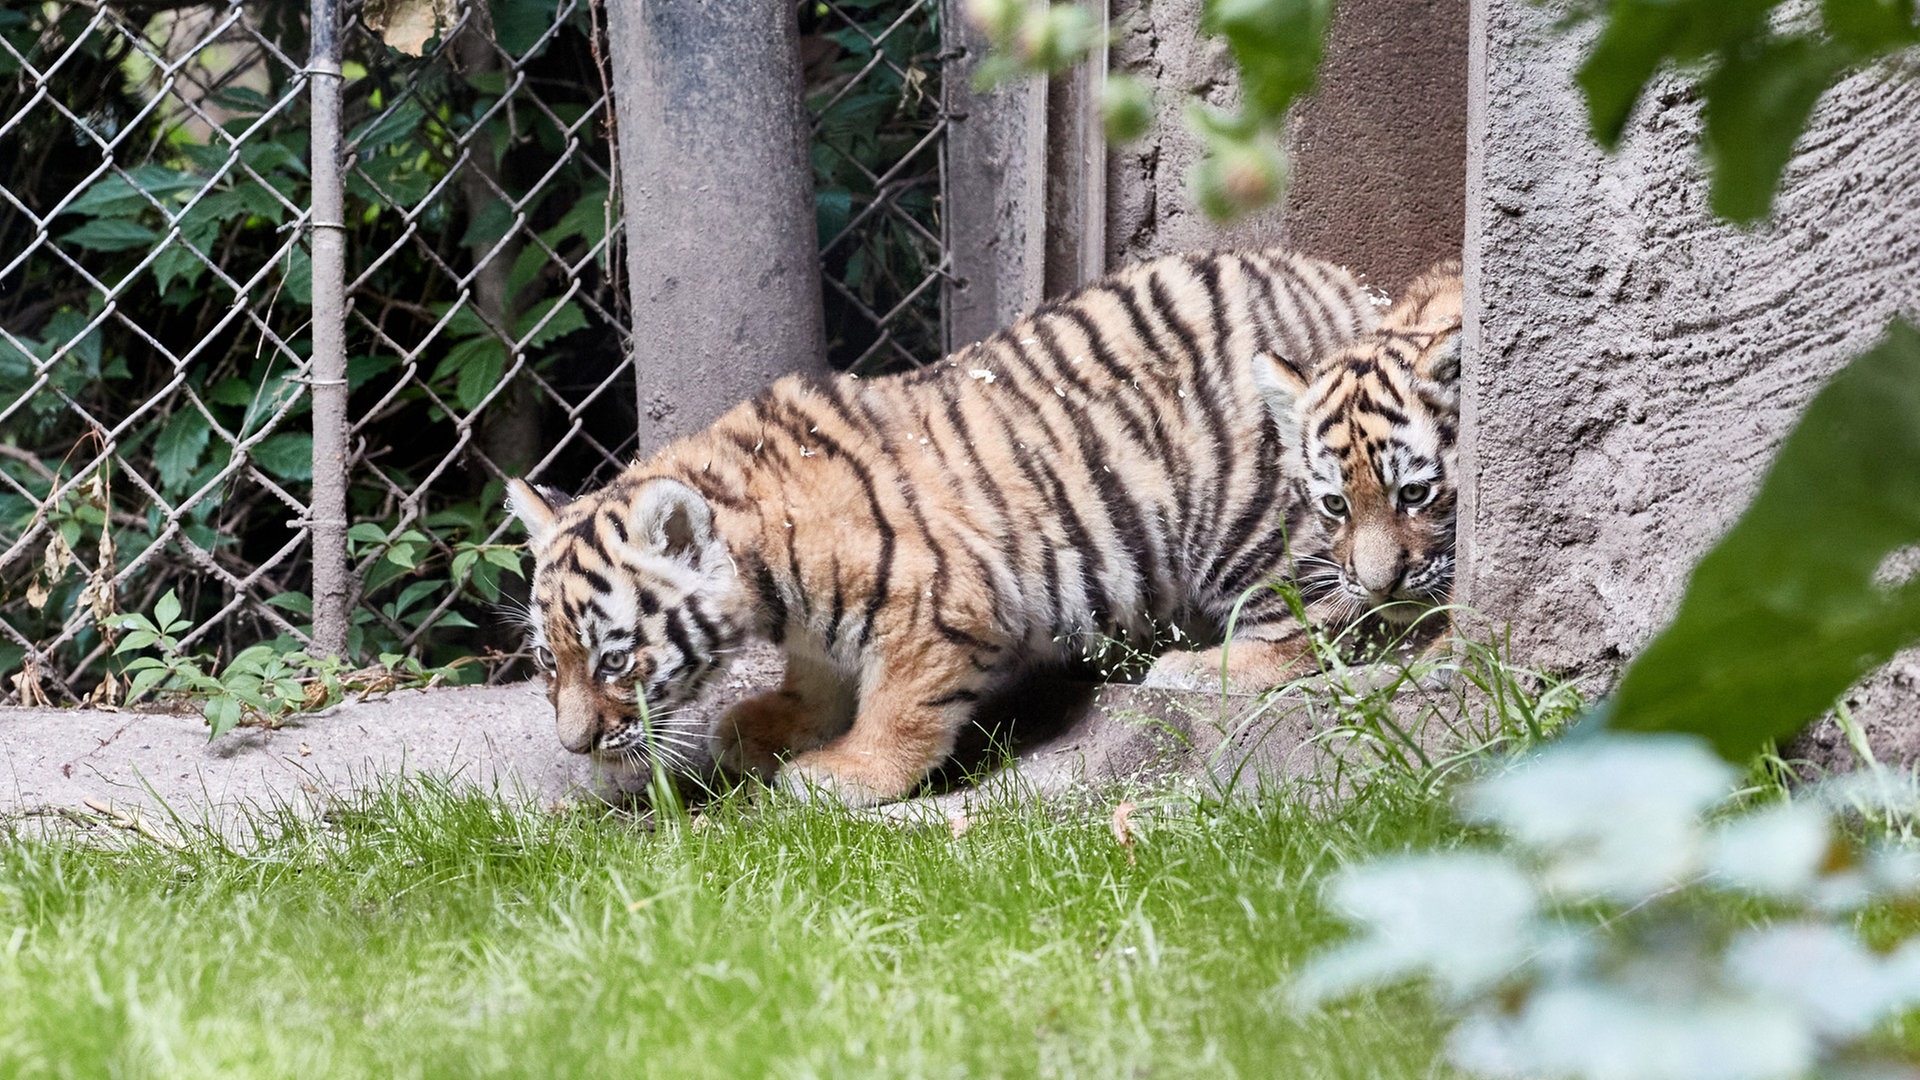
[854, 780]
[1183, 670]
[753, 735]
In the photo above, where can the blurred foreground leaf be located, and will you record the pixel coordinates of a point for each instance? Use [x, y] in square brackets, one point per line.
[1800, 600]
[1762, 78]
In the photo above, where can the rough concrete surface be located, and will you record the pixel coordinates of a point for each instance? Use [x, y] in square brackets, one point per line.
[1378, 152]
[124, 767]
[1631, 363]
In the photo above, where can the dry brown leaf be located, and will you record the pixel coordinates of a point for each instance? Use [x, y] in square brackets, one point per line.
[106, 695]
[1122, 825]
[26, 685]
[407, 25]
[305, 750]
[58, 556]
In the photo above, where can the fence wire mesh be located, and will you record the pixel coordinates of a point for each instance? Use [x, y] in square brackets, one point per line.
[156, 304]
[879, 142]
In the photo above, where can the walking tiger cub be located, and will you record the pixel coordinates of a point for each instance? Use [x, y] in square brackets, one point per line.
[1129, 459]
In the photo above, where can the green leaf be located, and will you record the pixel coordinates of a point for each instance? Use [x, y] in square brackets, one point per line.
[288, 455]
[177, 449]
[1277, 44]
[167, 610]
[1786, 612]
[361, 369]
[229, 392]
[292, 601]
[111, 234]
[1126, 107]
[413, 594]
[832, 208]
[222, 712]
[265, 156]
[258, 200]
[1758, 102]
[389, 126]
[507, 559]
[139, 639]
[145, 680]
[1641, 35]
[484, 579]
[476, 366]
[299, 277]
[518, 24]
[565, 321]
[117, 196]
[198, 231]
[1870, 27]
[586, 218]
[367, 533]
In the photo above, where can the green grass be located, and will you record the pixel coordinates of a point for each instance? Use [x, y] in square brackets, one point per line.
[432, 934]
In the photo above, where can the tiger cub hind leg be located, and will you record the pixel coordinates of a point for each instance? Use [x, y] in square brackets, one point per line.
[908, 722]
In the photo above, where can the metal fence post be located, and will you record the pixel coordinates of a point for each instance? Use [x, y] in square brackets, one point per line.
[327, 513]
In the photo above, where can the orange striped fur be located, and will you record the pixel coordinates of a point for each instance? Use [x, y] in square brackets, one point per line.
[1104, 469]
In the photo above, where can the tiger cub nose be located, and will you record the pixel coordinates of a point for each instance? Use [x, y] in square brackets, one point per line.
[1379, 566]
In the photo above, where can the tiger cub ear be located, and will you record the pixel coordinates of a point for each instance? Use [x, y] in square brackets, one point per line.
[1281, 384]
[1441, 364]
[671, 519]
[538, 508]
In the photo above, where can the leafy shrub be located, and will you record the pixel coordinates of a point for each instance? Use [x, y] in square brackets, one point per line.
[1614, 936]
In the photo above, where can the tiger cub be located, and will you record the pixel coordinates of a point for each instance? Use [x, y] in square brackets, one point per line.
[1105, 468]
[1368, 433]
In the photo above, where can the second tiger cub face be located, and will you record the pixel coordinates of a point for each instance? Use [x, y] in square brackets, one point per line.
[1371, 434]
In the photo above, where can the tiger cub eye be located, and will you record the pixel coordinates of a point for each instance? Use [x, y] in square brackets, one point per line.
[616, 663]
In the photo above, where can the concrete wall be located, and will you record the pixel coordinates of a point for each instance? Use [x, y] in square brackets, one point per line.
[1378, 154]
[1631, 363]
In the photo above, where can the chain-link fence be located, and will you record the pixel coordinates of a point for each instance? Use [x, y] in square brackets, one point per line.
[879, 157]
[161, 213]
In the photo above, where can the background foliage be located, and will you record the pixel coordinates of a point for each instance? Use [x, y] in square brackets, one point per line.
[155, 329]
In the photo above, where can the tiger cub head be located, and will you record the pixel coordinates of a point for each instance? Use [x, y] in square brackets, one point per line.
[1369, 434]
[635, 608]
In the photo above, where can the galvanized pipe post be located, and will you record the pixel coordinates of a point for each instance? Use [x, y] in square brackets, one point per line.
[327, 512]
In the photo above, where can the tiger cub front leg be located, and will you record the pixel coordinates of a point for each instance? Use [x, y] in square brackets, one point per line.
[1259, 658]
[911, 712]
[815, 702]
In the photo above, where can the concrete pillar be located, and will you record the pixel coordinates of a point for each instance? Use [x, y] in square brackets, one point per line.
[996, 186]
[724, 264]
[1631, 363]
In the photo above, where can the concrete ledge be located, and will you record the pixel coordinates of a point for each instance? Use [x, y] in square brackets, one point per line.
[500, 739]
